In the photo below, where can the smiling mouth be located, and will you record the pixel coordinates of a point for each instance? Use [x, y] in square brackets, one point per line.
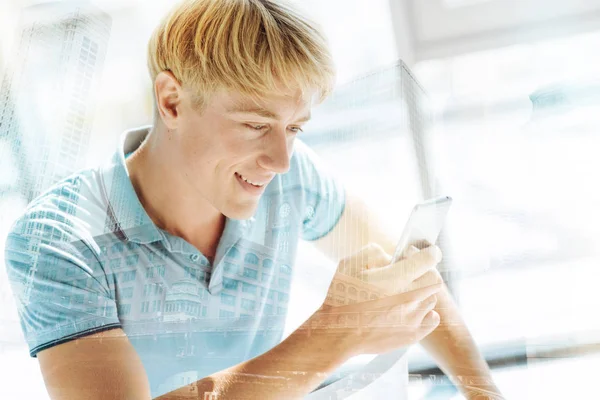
[255, 184]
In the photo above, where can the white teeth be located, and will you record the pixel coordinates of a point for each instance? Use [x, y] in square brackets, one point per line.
[250, 182]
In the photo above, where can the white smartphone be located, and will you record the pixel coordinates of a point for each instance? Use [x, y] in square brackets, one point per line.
[424, 225]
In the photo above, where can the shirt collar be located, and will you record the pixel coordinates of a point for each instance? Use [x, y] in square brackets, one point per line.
[125, 214]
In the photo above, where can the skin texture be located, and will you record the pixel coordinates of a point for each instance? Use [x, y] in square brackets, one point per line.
[185, 172]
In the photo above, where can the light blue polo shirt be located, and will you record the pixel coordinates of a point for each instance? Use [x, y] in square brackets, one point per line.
[85, 257]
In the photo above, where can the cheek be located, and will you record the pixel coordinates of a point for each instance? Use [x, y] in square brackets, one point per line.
[239, 146]
[233, 152]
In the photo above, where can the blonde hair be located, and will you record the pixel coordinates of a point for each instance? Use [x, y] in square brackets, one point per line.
[246, 45]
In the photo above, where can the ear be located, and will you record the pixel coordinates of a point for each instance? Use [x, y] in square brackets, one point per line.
[168, 93]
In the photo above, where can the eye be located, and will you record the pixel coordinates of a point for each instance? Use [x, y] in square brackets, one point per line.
[296, 129]
[256, 127]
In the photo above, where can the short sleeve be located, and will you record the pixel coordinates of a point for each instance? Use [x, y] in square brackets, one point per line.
[60, 288]
[324, 195]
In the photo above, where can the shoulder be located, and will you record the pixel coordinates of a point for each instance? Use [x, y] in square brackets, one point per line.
[67, 216]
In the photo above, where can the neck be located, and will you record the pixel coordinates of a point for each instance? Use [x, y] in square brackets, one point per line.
[169, 201]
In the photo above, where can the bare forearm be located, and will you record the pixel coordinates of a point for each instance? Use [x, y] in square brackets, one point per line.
[290, 370]
[455, 351]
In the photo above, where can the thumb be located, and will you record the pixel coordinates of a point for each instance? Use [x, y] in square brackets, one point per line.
[430, 322]
[369, 257]
[411, 251]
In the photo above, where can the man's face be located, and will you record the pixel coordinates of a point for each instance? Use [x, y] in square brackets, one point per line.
[233, 148]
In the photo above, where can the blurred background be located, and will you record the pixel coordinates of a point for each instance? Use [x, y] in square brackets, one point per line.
[492, 102]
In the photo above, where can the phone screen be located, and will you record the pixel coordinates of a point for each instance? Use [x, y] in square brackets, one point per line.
[423, 226]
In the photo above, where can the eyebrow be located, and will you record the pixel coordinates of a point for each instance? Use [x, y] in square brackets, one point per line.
[262, 112]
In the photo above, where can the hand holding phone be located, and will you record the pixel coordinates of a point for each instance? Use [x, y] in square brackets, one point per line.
[421, 231]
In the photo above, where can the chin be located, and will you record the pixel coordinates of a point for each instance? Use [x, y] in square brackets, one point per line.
[240, 212]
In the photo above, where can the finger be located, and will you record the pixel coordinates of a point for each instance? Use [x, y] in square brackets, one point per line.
[435, 251]
[425, 324]
[391, 301]
[377, 257]
[419, 294]
[430, 322]
[370, 256]
[424, 307]
[429, 278]
[419, 263]
[398, 276]
[415, 311]
[411, 251]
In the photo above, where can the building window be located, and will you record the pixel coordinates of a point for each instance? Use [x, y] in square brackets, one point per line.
[285, 269]
[124, 309]
[250, 273]
[248, 288]
[283, 297]
[109, 311]
[284, 283]
[128, 276]
[224, 314]
[251, 259]
[190, 272]
[155, 271]
[248, 304]
[231, 268]
[50, 274]
[117, 247]
[340, 287]
[233, 253]
[230, 284]
[78, 299]
[132, 260]
[227, 299]
[82, 283]
[127, 293]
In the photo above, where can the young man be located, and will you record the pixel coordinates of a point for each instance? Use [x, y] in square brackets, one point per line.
[166, 272]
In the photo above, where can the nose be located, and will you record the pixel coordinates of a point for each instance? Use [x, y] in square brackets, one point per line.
[276, 155]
